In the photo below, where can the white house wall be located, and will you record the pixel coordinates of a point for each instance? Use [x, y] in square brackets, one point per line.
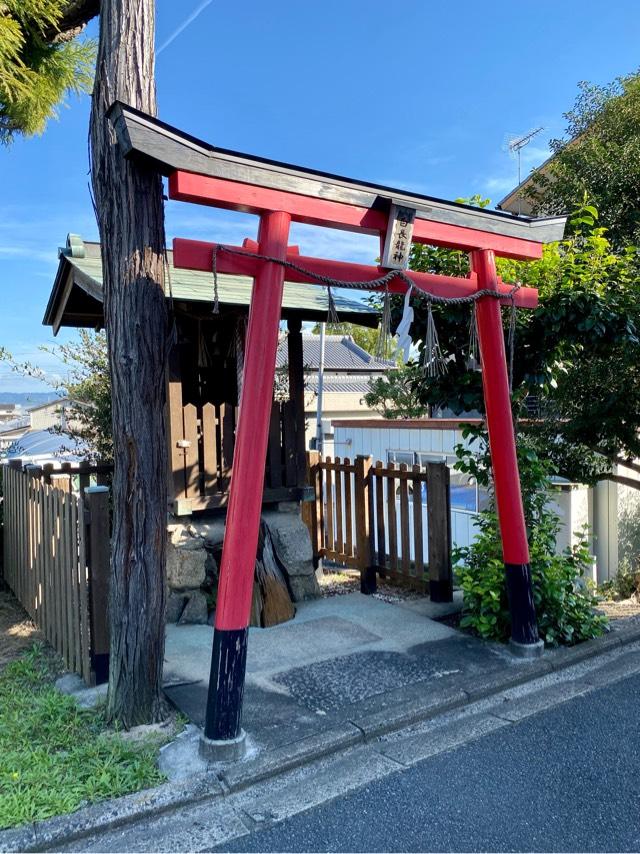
[335, 405]
[574, 506]
[377, 441]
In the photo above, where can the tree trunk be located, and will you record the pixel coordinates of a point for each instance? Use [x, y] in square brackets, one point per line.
[128, 199]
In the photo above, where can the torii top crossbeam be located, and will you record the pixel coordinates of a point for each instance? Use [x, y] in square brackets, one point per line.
[280, 194]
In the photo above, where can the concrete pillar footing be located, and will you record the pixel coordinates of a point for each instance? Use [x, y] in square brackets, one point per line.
[224, 750]
[526, 650]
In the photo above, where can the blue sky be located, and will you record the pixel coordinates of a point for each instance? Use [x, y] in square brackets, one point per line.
[418, 94]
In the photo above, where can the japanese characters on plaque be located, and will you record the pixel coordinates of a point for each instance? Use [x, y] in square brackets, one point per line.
[397, 244]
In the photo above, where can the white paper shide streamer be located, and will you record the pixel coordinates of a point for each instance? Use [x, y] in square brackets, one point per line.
[404, 339]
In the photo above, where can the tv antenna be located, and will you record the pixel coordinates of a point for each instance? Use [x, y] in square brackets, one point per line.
[515, 144]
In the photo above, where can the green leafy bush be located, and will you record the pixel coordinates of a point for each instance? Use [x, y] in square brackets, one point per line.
[563, 600]
[625, 584]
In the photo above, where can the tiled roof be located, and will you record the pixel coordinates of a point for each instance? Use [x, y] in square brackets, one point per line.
[341, 353]
[344, 385]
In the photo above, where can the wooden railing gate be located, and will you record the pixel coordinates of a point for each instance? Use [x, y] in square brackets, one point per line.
[373, 517]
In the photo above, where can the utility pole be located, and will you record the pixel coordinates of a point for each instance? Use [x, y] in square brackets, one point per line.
[319, 435]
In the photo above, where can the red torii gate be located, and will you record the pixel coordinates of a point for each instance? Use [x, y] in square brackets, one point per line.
[280, 194]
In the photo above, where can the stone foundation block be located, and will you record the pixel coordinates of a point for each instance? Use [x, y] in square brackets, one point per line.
[293, 546]
[194, 547]
[195, 611]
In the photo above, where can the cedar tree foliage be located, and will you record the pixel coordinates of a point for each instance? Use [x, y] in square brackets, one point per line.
[41, 60]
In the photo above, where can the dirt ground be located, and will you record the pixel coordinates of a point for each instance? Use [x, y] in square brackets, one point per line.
[621, 611]
[337, 582]
[17, 632]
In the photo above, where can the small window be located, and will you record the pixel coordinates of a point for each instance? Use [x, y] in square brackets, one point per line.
[399, 457]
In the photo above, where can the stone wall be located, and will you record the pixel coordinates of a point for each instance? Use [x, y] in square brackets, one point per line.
[193, 553]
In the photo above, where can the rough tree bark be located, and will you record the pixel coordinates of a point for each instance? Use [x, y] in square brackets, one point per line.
[128, 200]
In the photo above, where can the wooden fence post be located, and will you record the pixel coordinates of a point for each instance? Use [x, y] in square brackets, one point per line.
[312, 510]
[439, 524]
[14, 517]
[66, 470]
[36, 582]
[368, 583]
[84, 476]
[96, 502]
[59, 498]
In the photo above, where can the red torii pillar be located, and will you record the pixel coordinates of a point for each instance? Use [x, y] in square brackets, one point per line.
[504, 462]
[228, 661]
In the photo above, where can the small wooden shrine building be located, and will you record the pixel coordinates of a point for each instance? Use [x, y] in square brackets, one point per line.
[206, 370]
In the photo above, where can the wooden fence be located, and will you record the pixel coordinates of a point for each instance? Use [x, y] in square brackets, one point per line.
[56, 558]
[202, 442]
[383, 520]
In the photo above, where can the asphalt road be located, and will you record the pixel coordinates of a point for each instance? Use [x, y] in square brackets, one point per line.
[567, 779]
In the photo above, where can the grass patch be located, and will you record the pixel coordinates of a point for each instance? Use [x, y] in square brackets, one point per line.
[56, 757]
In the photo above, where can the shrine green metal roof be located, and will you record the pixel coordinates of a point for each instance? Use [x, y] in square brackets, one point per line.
[76, 297]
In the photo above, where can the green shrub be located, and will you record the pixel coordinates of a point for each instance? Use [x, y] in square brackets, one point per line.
[564, 603]
[625, 584]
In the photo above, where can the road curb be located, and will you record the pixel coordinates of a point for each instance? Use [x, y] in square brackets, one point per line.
[112, 814]
[290, 756]
[391, 718]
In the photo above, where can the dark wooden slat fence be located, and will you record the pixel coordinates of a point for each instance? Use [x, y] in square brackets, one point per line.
[202, 444]
[56, 558]
[372, 517]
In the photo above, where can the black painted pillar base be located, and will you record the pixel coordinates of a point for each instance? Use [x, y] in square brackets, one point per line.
[524, 626]
[226, 685]
[441, 591]
[368, 581]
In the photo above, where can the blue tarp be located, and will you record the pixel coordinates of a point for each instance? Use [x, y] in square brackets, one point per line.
[463, 497]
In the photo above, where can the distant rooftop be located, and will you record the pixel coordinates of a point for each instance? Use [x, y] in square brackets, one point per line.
[43, 445]
[18, 422]
[343, 385]
[57, 401]
[341, 354]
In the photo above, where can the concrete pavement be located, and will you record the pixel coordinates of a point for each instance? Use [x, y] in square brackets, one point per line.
[342, 659]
